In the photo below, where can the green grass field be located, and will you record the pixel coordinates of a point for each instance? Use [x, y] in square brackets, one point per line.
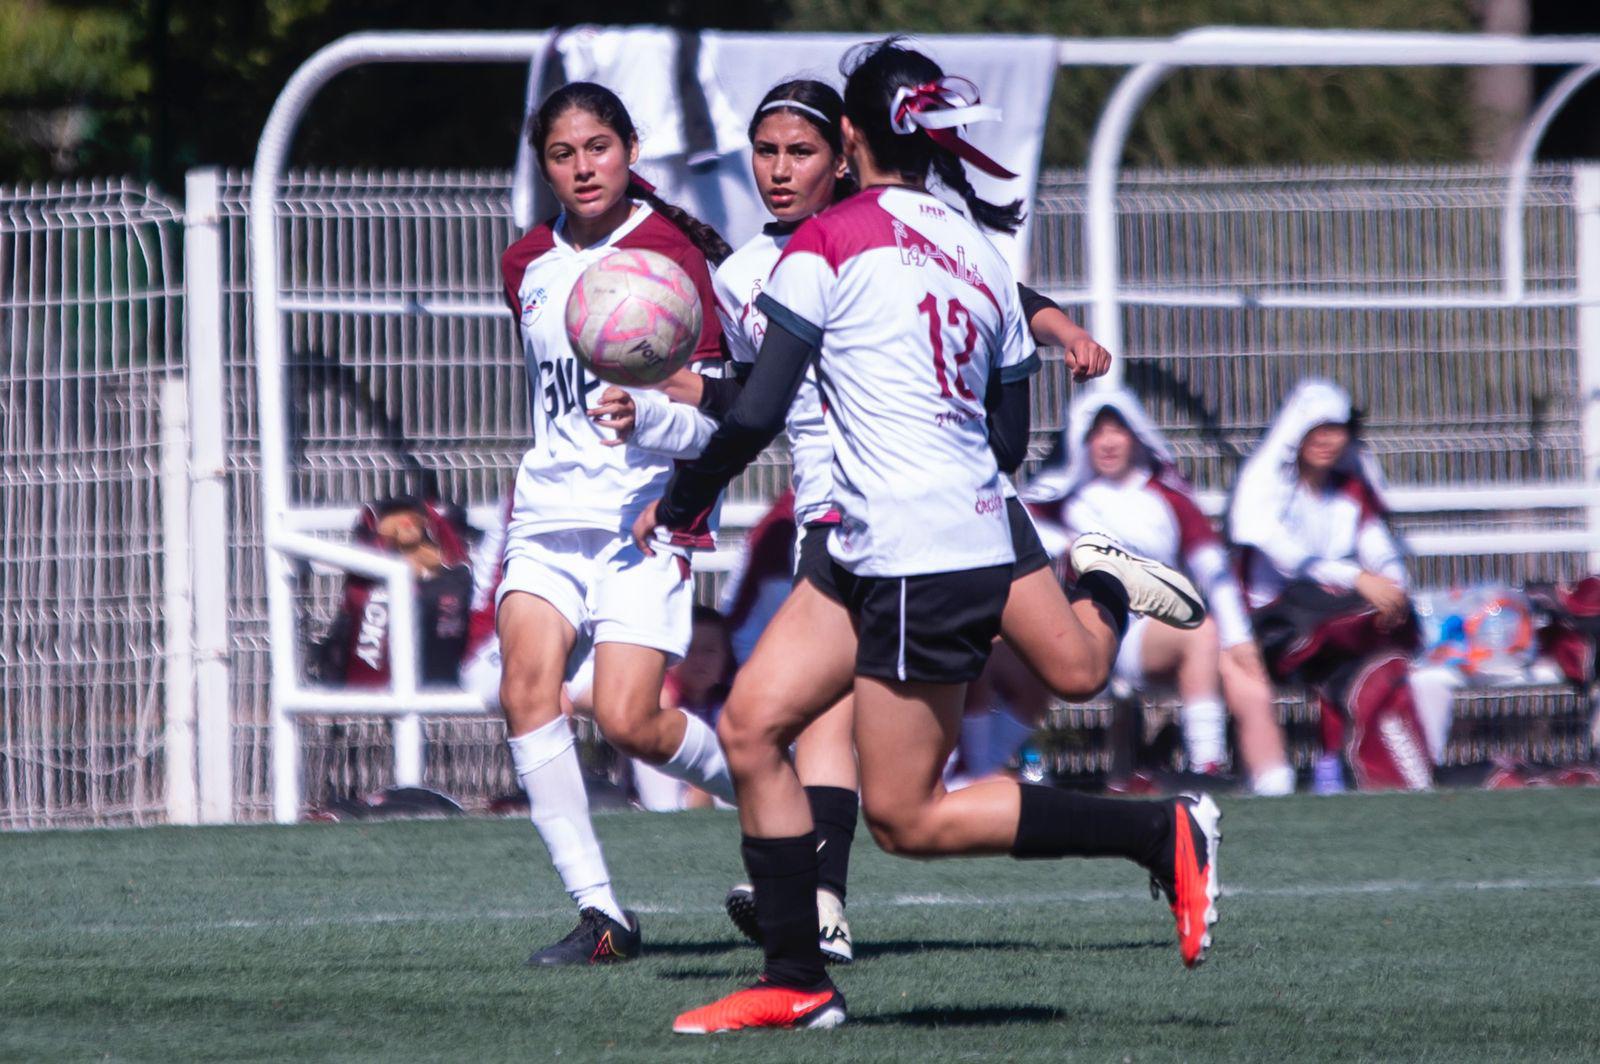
[1444, 927]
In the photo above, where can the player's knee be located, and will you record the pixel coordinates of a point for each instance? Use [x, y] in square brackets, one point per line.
[527, 702]
[629, 725]
[744, 737]
[1077, 680]
[901, 832]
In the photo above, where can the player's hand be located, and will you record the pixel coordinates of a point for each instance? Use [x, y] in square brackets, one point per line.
[1385, 596]
[644, 530]
[1087, 359]
[617, 413]
[1246, 657]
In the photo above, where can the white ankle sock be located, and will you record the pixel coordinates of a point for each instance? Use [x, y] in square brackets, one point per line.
[699, 760]
[546, 763]
[1205, 732]
[1274, 782]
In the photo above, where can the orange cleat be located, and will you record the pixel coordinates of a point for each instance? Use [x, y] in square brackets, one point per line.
[1194, 886]
[766, 1006]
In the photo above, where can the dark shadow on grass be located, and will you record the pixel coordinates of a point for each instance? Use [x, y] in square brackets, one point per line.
[987, 1016]
[697, 949]
[902, 947]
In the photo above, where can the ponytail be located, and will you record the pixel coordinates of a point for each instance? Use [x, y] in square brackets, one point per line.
[992, 216]
[702, 236]
[878, 78]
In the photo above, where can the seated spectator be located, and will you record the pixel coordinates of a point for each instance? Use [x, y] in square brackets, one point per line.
[1120, 476]
[1326, 583]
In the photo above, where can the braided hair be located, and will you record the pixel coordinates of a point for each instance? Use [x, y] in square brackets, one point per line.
[874, 72]
[608, 109]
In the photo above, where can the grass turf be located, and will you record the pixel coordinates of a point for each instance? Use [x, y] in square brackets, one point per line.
[1439, 927]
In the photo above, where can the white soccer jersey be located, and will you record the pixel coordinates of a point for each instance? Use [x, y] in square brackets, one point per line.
[570, 478]
[912, 306]
[738, 281]
[1330, 536]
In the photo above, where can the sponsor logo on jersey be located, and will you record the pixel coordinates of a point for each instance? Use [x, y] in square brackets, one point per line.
[920, 253]
[989, 502]
[533, 305]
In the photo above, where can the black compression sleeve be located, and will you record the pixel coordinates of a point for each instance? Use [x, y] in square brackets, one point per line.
[755, 418]
[1008, 420]
[1033, 302]
[718, 394]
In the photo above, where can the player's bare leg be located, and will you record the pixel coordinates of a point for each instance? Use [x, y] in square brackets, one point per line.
[628, 710]
[535, 642]
[904, 732]
[1069, 645]
[802, 666]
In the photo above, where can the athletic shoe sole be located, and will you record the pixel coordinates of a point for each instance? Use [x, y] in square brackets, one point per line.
[1155, 590]
[1208, 818]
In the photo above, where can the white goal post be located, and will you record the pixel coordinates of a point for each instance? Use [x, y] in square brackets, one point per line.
[290, 529]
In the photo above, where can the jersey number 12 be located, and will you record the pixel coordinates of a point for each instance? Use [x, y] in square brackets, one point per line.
[957, 316]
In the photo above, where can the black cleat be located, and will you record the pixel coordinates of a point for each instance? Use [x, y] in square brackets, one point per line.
[597, 939]
[741, 906]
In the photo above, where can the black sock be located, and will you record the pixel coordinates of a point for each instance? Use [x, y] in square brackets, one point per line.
[784, 874]
[833, 810]
[1058, 823]
[1108, 593]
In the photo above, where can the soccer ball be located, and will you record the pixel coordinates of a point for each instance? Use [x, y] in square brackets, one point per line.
[633, 317]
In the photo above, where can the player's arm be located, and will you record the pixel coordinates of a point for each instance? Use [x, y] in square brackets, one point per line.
[1051, 327]
[754, 421]
[1009, 410]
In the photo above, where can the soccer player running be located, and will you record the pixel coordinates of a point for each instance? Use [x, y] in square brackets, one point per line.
[571, 576]
[799, 168]
[910, 315]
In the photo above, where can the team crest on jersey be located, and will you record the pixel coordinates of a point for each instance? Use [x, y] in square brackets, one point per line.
[533, 305]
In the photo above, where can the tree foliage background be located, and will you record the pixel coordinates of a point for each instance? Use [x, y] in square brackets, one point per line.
[153, 87]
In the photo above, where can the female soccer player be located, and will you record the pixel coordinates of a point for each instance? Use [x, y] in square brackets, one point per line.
[1121, 476]
[799, 167]
[1326, 582]
[571, 576]
[910, 316]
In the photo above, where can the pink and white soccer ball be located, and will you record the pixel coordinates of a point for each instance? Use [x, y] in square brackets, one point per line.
[634, 317]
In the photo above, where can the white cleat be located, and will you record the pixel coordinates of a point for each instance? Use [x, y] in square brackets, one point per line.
[833, 930]
[1154, 589]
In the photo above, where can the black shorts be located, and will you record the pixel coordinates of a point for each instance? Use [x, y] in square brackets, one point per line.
[815, 563]
[1031, 555]
[943, 633]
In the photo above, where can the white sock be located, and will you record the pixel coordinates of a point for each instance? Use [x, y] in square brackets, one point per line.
[699, 760]
[1006, 736]
[1433, 693]
[658, 792]
[1205, 732]
[1274, 782]
[546, 762]
[974, 744]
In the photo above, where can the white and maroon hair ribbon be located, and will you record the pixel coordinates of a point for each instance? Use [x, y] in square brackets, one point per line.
[939, 108]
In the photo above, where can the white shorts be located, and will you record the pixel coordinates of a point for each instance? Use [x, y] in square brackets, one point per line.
[606, 588]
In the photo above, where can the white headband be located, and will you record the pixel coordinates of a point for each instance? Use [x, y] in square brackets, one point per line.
[798, 106]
